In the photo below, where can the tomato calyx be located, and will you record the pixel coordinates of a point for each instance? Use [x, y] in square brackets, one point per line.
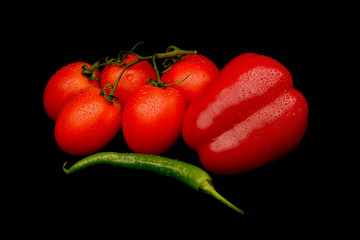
[168, 62]
[171, 56]
[109, 97]
[89, 73]
[161, 84]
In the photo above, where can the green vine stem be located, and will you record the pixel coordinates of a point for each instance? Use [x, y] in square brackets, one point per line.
[172, 53]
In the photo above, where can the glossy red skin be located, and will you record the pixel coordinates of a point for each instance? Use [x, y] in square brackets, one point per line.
[133, 78]
[87, 123]
[65, 83]
[249, 116]
[152, 119]
[202, 71]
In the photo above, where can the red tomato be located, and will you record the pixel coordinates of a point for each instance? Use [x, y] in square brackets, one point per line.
[202, 71]
[87, 122]
[152, 119]
[133, 78]
[65, 83]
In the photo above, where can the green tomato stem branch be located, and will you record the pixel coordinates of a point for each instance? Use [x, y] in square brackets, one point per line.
[171, 52]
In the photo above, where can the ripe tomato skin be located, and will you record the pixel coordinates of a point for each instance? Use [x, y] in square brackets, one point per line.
[152, 119]
[86, 123]
[202, 71]
[65, 83]
[133, 78]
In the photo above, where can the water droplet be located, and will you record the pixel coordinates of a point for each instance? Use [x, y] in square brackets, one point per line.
[129, 77]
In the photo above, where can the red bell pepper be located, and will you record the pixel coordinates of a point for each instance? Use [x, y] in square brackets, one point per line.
[249, 116]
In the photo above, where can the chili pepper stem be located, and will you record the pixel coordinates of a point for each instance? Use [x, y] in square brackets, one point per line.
[208, 188]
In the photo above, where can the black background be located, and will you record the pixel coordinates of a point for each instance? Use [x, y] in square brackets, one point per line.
[291, 194]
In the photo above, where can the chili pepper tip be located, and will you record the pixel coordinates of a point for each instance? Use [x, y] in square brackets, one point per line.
[64, 169]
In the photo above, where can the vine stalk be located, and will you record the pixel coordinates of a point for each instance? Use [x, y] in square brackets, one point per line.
[172, 53]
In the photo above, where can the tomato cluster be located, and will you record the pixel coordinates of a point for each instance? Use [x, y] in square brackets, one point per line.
[91, 103]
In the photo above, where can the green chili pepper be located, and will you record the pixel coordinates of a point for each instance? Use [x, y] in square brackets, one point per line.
[186, 173]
